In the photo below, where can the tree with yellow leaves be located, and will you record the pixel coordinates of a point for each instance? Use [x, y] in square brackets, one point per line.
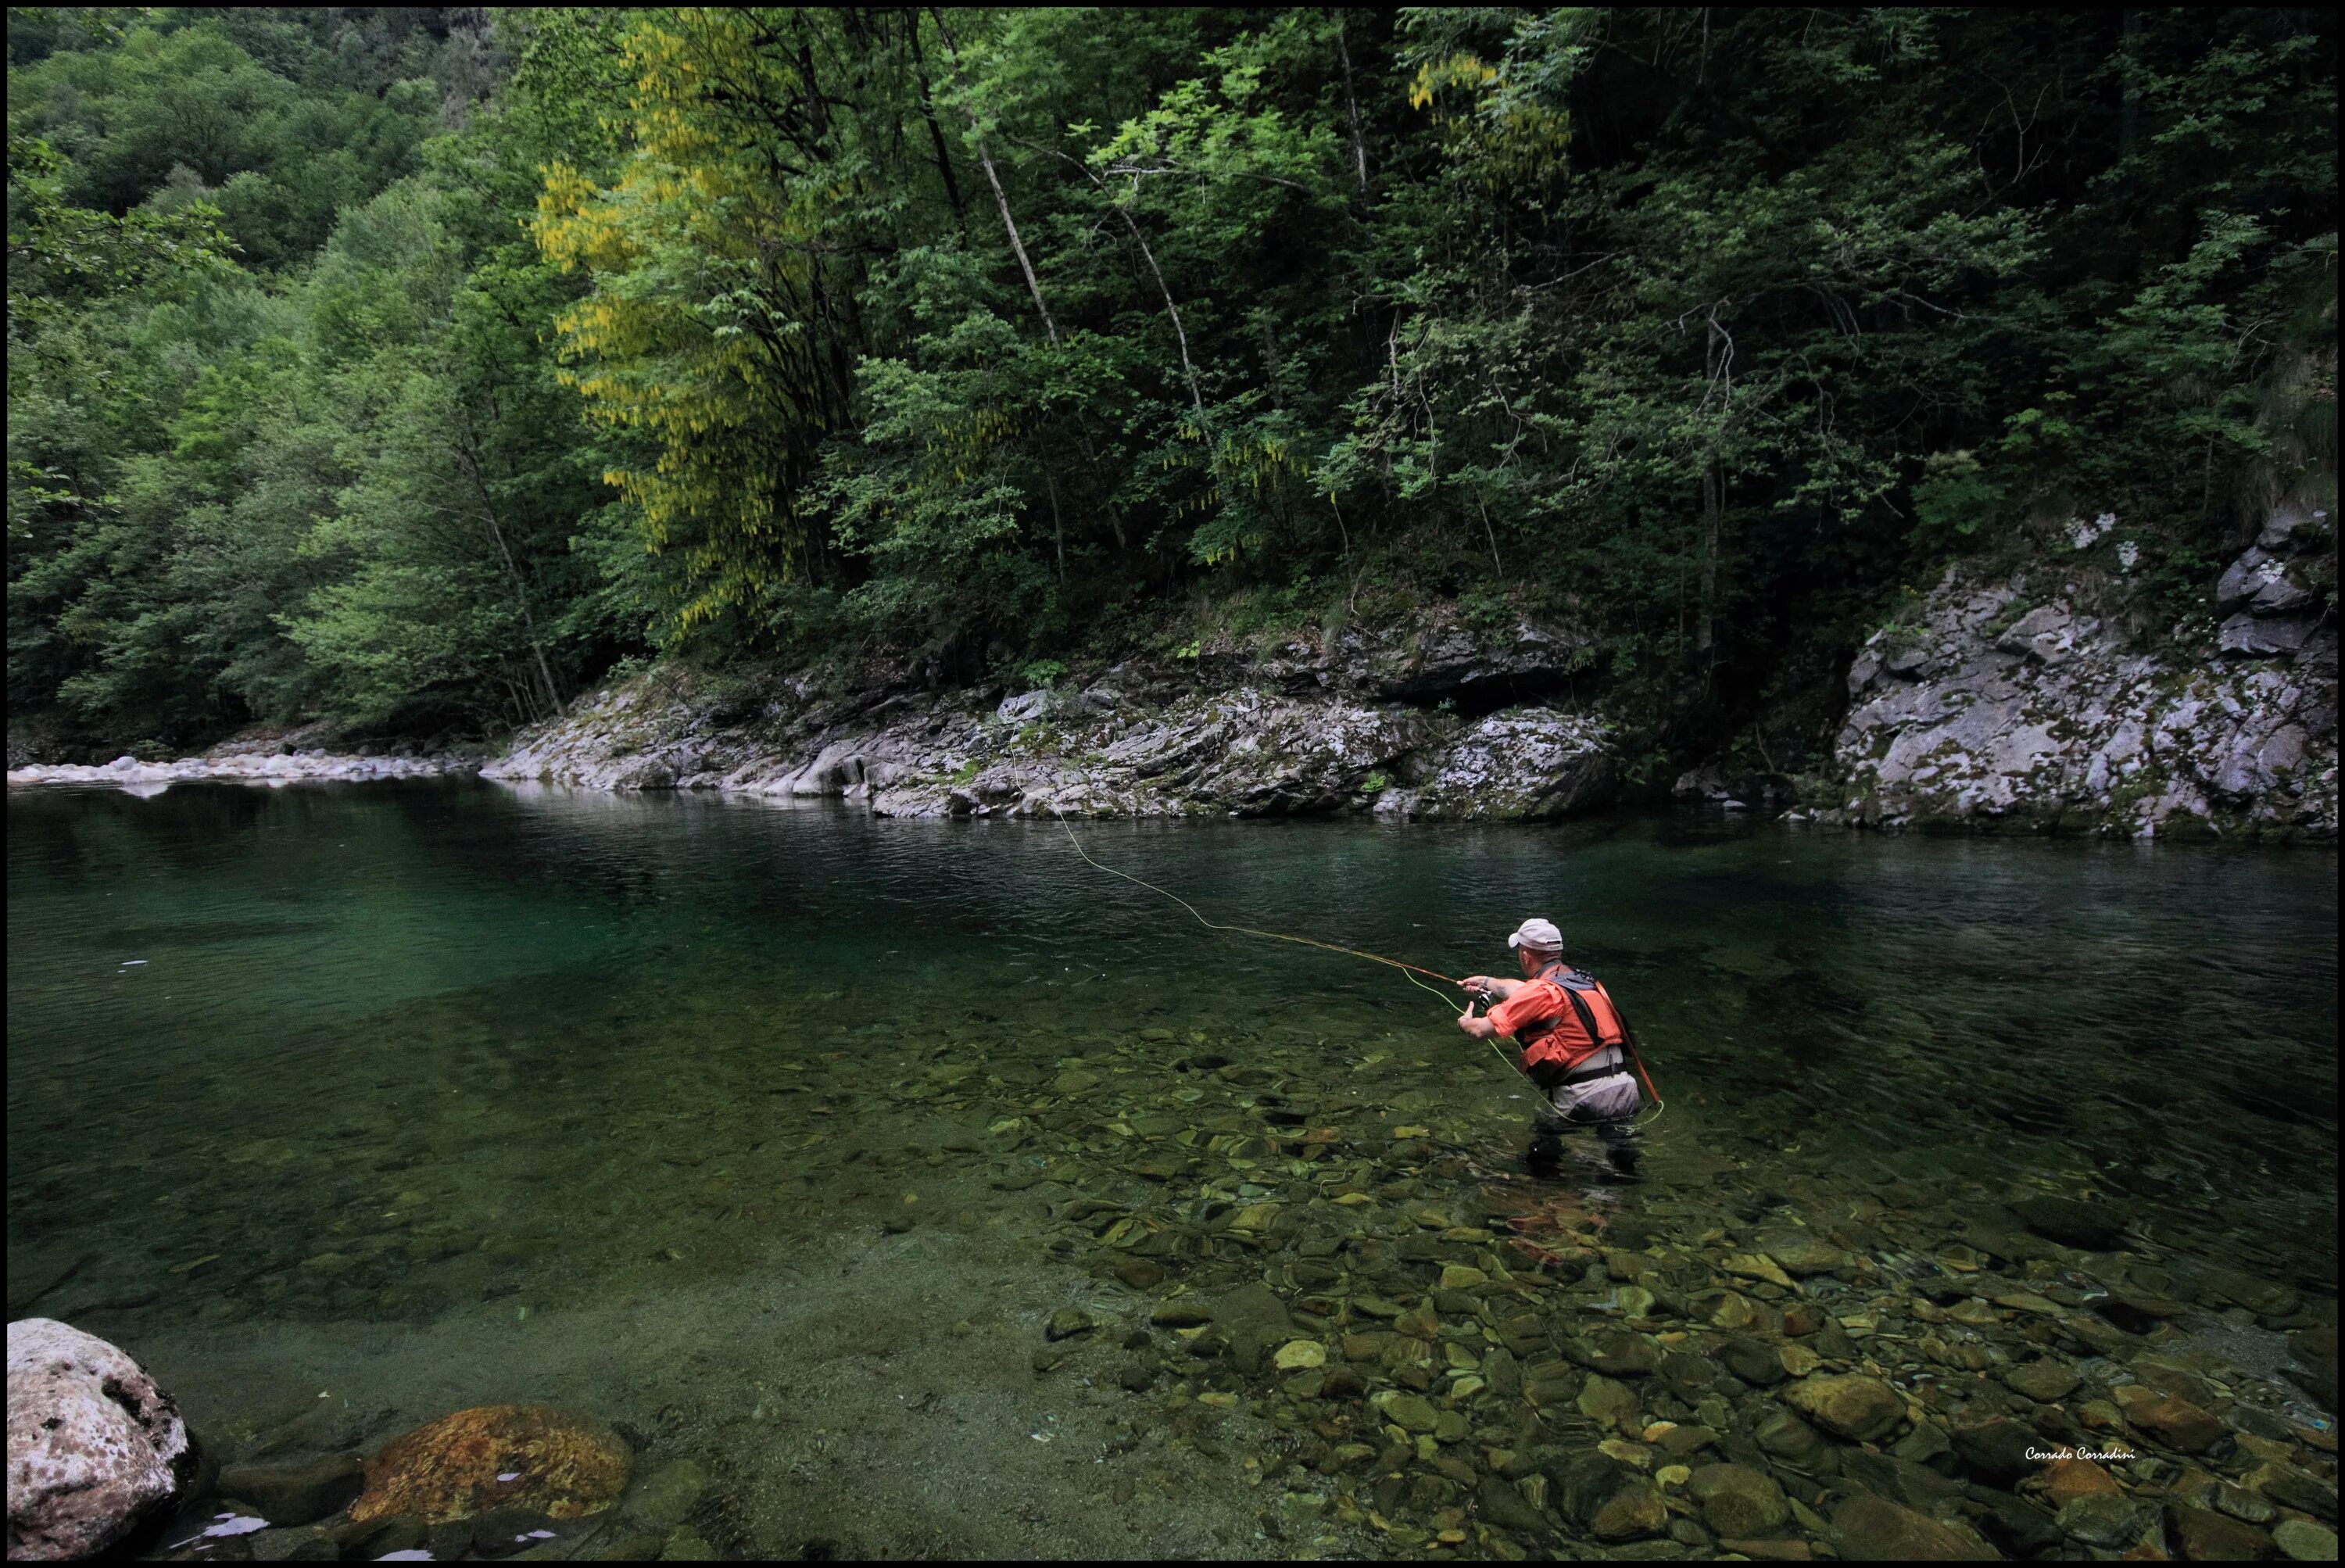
[721, 323]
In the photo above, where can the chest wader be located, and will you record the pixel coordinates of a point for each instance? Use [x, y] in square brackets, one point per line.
[1587, 1096]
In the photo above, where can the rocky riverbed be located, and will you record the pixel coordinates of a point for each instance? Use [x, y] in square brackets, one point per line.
[1765, 1363]
[815, 1153]
[1422, 1358]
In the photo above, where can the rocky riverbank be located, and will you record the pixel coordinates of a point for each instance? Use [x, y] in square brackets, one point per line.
[1434, 720]
[2000, 704]
[272, 758]
[2004, 704]
[2009, 703]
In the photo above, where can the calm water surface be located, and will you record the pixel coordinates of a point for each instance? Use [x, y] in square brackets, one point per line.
[754, 1128]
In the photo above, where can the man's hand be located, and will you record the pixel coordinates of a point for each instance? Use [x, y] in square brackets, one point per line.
[1489, 987]
[1479, 1028]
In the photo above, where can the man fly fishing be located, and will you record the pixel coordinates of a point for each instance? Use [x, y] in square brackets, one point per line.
[1576, 1049]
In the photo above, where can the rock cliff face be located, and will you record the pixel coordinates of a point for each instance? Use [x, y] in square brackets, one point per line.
[1362, 723]
[2010, 705]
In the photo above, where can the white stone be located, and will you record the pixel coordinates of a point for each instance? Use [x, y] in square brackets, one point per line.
[93, 1444]
[1024, 707]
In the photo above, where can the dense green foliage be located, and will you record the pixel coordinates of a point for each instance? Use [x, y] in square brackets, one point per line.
[372, 365]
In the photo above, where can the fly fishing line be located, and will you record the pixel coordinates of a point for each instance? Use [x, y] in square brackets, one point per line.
[1247, 930]
[1409, 972]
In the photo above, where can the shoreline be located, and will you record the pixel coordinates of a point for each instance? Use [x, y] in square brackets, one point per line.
[150, 779]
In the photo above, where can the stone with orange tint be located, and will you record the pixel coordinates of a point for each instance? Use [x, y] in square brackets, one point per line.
[497, 1456]
[2067, 1479]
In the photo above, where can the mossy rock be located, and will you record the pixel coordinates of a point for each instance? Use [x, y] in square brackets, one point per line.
[497, 1456]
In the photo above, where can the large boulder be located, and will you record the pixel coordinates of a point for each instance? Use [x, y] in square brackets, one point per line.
[1737, 1500]
[94, 1446]
[2109, 1521]
[2176, 1422]
[2249, 634]
[1609, 1500]
[497, 1456]
[1436, 657]
[1254, 1320]
[1802, 1252]
[2204, 1536]
[2048, 634]
[1999, 1451]
[1246, 752]
[2245, 579]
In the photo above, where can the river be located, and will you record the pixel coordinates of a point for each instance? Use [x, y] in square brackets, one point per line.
[776, 1136]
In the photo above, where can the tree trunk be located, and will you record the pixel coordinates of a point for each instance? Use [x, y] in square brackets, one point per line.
[1058, 524]
[1702, 636]
[1352, 107]
[528, 621]
[1170, 309]
[513, 576]
[2129, 28]
[524, 710]
[1099, 472]
[1001, 197]
[935, 133]
[1715, 363]
[1001, 201]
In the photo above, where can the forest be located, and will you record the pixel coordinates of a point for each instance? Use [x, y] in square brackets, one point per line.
[416, 370]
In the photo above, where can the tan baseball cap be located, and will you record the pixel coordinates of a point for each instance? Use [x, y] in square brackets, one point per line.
[1537, 933]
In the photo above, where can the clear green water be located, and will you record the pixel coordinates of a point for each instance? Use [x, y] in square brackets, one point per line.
[689, 1111]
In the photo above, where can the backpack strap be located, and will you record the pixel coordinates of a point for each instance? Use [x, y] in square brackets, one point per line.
[1572, 984]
